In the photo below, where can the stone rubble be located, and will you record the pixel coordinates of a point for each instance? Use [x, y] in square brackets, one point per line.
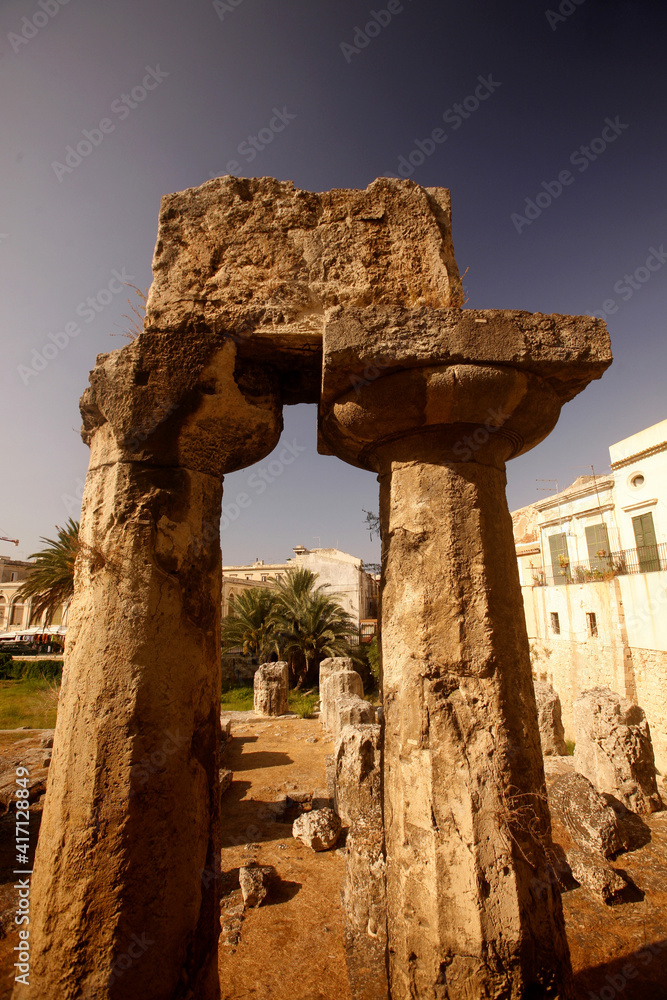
[583, 811]
[254, 882]
[613, 749]
[318, 829]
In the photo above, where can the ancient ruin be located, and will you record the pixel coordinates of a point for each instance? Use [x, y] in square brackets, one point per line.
[271, 689]
[264, 295]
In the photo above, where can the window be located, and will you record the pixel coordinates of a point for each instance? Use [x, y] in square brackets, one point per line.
[263, 579]
[597, 542]
[647, 550]
[560, 560]
[555, 623]
[13, 577]
[592, 622]
[637, 481]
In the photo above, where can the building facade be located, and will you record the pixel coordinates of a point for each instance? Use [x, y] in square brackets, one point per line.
[593, 569]
[16, 613]
[343, 574]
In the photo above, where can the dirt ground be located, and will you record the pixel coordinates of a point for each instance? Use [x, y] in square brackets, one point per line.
[291, 947]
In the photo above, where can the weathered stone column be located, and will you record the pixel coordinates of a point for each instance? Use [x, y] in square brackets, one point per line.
[125, 898]
[467, 827]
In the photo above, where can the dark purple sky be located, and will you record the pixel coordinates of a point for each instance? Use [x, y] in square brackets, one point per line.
[553, 84]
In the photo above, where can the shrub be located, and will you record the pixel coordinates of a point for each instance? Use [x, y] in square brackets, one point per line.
[13, 670]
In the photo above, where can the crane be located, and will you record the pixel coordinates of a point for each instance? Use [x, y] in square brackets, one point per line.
[14, 540]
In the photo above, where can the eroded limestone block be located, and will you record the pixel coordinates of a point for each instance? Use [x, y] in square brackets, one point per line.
[318, 829]
[332, 665]
[350, 710]
[587, 816]
[600, 878]
[358, 798]
[339, 683]
[552, 733]
[613, 749]
[271, 689]
[254, 882]
[358, 776]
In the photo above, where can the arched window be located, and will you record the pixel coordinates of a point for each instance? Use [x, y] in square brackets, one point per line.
[3, 611]
[17, 614]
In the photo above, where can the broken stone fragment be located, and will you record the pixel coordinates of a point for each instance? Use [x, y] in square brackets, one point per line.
[600, 878]
[318, 829]
[254, 880]
[613, 749]
[586, 815]
[552, 733]
[226, 776]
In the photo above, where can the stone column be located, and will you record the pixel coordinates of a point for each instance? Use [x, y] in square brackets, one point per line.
[125, 897]
[472, 909]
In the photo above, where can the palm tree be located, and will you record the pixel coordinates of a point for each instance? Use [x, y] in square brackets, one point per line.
[51, 582]
[250, 623]
[310, 622]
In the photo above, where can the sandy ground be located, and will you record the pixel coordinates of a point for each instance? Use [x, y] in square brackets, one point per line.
[291, 947]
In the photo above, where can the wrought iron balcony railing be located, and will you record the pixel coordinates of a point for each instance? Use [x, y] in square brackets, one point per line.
[604, 566]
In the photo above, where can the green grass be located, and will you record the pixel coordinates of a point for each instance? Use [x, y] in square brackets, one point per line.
[303, 703]
[237, 699]
[570, 747]
[28, 703]
[240, 699]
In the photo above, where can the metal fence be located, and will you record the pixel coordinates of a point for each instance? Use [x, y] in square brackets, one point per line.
[646, 559]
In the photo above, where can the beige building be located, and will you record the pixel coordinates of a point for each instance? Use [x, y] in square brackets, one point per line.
[16, 613]
[593, 569]
[344, 574]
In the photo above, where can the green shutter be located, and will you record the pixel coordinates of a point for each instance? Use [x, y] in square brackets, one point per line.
[597, 540]
[558, 547]
[647, 550]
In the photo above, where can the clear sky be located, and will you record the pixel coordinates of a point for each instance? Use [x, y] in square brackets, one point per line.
[181, 89]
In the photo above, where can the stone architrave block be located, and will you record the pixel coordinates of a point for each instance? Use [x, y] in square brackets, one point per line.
[271, 689]
[552, 732]
[586, 814]
[613, 749]
[358, 798]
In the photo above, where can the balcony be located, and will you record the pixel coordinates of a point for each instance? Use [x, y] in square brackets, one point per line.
[647, 559]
